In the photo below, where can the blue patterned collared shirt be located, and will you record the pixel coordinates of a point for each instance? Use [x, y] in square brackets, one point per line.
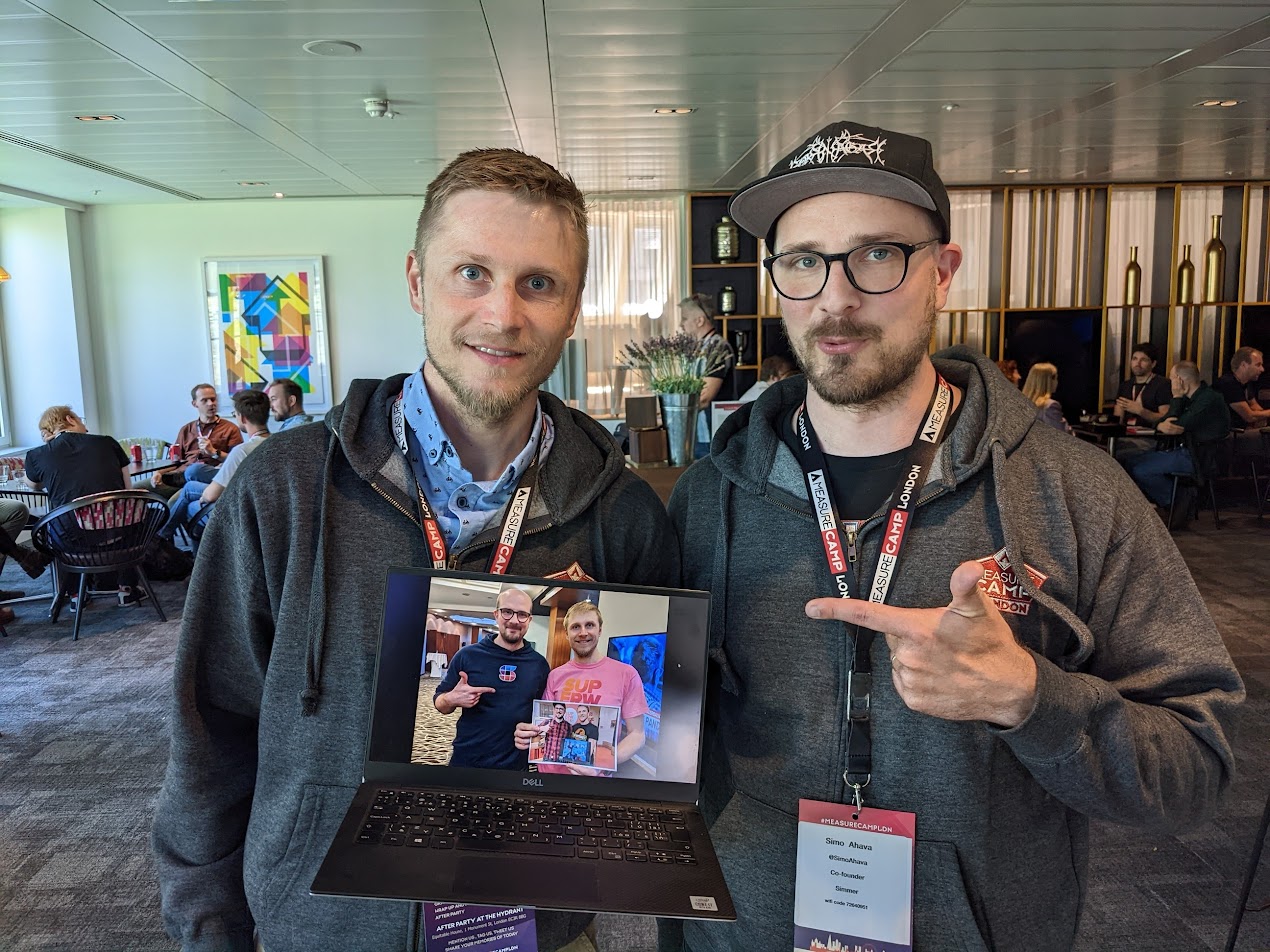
[464, 507]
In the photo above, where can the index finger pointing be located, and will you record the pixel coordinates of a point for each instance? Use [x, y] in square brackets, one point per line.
[888, 619]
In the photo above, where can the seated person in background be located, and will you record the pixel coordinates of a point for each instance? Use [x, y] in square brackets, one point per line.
[1042, 381]
[286, 400]
[74, 463]
[1196, 409]
[13, 519]
[587, 679]
[251, 408]
[1143, 399]
[1011, 370]
[1239, 389]
[203, 444]
[774, 368]
[493, 684]
[696, 319]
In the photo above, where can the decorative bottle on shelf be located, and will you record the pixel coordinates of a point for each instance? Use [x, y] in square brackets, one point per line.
[1186, 297]
[726, 244]
[727, 299]
[1186, 278]
[1133, 279]
[1214, 265]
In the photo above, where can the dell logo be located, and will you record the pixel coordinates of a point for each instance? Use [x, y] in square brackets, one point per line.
[530, 782]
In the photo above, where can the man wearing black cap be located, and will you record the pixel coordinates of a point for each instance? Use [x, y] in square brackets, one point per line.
[1025, 681]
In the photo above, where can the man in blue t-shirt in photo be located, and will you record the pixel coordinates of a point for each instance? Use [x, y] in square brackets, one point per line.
[494, 684]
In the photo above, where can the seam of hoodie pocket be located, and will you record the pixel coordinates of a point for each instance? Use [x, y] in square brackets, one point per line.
[298, 848]
[953, 916]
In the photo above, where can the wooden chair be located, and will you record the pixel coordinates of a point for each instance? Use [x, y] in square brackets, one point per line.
[105, 532]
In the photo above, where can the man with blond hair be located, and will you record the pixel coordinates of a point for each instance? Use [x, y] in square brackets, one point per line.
[463, 463]
[591, 677]
[202, 444]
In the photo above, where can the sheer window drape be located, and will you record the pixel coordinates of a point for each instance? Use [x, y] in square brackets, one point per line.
[633, 287]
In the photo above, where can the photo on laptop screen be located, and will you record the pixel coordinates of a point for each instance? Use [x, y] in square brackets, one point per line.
[545, 676]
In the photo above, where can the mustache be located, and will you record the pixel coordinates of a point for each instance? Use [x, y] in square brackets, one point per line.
[845, 326]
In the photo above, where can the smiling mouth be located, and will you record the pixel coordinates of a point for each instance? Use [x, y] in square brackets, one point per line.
[495, 351]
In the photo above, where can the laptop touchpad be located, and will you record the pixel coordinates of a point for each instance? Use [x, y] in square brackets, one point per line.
[517, 874]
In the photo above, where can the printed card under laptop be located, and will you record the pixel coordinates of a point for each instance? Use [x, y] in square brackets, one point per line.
[534, 742]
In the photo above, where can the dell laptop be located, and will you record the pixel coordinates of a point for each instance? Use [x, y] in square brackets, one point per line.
[567, 777]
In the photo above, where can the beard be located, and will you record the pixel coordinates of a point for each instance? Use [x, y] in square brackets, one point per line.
[499, 392]
[846, 380]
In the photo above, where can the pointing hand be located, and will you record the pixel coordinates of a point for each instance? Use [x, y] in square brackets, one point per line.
[466, 695]
[959, 663]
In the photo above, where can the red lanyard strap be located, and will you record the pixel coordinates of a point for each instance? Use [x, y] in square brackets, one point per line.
[514, 513]
[916, 465]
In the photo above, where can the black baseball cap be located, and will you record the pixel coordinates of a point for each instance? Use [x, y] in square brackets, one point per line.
[844, 157]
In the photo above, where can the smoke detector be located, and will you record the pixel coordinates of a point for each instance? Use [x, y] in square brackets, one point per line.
[378, 108]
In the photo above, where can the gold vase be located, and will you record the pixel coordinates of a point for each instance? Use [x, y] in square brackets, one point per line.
[1214, 265]
[1133, 279]
[1186, 278]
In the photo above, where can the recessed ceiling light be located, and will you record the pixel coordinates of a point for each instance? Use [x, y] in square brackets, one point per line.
[1015, 171]
[1218, 103]
[253, 183]
[1078, 149]
[331, 48]
[278, 195]
[100, 118]
[950, 106]
[674, 110]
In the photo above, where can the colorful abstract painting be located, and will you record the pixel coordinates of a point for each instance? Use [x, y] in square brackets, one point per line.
[267, 320]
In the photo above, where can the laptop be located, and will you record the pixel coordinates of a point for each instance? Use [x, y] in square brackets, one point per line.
[586, 817]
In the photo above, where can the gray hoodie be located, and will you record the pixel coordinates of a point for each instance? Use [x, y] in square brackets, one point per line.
[276, 660]
[1135, 690]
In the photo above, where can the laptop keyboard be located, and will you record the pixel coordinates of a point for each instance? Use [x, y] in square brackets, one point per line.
[528, 825]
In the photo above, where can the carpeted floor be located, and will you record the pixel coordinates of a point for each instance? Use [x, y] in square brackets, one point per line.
[84, 747]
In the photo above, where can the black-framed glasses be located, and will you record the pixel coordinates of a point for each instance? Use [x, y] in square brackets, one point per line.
[876, 268]
[510, 613]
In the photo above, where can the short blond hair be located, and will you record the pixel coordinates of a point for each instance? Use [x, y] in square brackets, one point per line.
[584, 607]
[517, 173]
[53, 421]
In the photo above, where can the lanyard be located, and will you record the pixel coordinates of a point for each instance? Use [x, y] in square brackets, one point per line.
[514, 512]
[917, 463]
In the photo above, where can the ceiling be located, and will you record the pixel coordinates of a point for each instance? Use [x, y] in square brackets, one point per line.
[217, 92]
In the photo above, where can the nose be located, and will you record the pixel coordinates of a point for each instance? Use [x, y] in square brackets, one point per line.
[838, 294]
[504, 307]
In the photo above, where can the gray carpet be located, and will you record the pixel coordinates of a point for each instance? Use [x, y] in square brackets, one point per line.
[84, 748]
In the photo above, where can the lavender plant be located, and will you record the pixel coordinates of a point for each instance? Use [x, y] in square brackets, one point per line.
[678, 363]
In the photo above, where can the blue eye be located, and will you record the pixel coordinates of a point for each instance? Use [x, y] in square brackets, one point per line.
[470, 272]
[539, 283]
[879, 253]
[805, 262]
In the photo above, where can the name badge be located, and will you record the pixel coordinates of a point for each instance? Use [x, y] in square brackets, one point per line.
[854, 889]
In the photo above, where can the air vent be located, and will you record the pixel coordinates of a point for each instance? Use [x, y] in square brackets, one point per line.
[95, 166]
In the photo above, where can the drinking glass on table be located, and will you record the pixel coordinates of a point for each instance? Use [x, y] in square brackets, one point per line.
[4, 474]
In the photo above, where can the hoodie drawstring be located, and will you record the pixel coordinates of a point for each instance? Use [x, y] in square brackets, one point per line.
[316, 647]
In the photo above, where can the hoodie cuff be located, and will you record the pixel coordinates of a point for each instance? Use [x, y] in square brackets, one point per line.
[1058, 724]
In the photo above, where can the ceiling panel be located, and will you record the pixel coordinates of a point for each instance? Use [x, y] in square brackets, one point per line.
[216, 92]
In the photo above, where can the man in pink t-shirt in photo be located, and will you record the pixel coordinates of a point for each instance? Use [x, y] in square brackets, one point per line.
[586, 679]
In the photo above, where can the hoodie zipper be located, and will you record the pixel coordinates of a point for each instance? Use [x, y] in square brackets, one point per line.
[455, 557]
[396, 505]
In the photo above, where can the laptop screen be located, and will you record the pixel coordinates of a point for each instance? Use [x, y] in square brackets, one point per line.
[518, 683]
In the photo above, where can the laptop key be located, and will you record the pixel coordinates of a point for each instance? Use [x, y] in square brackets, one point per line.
[612, 854]
[368, 837]
[394, 839]
[588, 852]
[665, 860]
[443, 842]
[417, 839]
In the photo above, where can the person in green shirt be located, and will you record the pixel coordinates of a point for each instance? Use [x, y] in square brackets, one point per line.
[1197, 409]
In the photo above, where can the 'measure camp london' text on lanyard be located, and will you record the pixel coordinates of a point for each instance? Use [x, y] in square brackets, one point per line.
[514, 513]
[841, 558]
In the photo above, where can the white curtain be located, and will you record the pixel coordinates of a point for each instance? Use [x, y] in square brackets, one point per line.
[633, 287]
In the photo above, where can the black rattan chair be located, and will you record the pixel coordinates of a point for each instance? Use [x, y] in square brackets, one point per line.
[105, 532]
[1203, 476]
